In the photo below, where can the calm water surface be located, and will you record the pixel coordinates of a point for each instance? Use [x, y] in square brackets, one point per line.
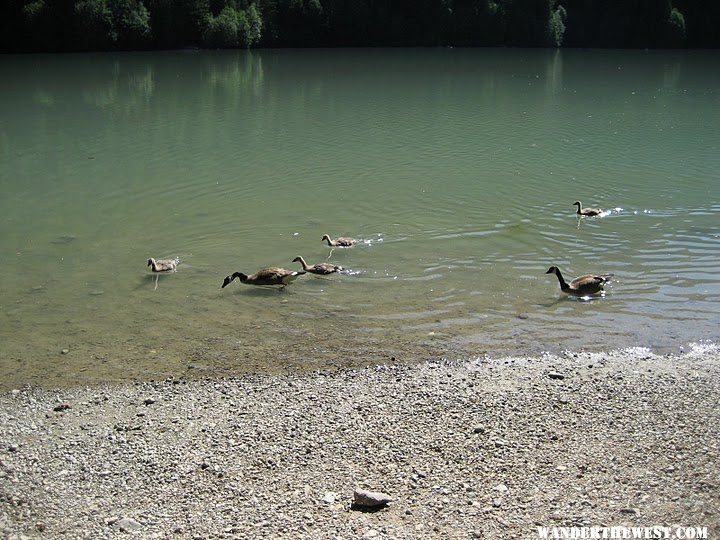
[455, 169]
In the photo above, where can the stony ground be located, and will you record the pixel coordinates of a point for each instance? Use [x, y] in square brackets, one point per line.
[484, 449]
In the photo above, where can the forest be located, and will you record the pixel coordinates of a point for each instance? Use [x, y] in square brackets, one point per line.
[103, 25]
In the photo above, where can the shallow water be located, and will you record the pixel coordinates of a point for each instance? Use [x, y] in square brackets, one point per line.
[456, 170]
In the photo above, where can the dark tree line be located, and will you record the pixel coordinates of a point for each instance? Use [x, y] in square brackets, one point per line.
[81, 25]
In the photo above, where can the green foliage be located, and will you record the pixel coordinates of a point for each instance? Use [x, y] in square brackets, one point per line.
[314, 8]
[222, 31]
[557, 26]
[233, 27]
[677, 28]
[133, 22]
[33, 10]
[252, 31]
[106, 24]
[95, 23]
[56, 25]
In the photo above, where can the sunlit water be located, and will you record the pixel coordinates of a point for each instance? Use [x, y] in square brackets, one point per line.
[455, 169]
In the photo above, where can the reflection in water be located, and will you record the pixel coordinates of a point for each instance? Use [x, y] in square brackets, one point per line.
[237, 73]
[456, 168]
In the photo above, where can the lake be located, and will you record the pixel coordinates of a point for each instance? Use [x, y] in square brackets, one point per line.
[454, 169]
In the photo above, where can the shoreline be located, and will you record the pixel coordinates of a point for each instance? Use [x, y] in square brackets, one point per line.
[489, 448]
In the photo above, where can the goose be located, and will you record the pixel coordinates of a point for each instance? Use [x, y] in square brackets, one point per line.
[322, 269]
[338, 242]
[163, 265]
[265, 276]
[583, 285]
[587, 211]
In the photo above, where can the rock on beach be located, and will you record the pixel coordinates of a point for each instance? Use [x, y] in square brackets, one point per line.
[370, 499]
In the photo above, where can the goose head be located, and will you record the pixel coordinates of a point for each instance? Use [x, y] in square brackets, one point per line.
[553, 270]
[229, 279]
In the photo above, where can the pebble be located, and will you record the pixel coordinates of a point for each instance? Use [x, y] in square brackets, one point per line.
[330, 498]
[127, 524]
[628, 511]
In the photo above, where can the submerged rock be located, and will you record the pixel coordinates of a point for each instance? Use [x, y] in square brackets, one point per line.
[64, 239]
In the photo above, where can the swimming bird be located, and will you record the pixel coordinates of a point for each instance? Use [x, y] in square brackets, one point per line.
[583, 285]
[343, 241]
[163, 265]
[322, 268]
[590, 212]
[265, 276]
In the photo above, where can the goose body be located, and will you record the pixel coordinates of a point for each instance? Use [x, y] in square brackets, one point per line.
[343, 241]
[163, 265]
[322, 268]
[582, 285]
[266, 276]
[590, 212]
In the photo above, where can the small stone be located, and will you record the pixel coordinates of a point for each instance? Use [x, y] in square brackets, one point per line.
[65, 351]
[628, 511]
[127, 524]
[149, 401]
[61, 407]
[370, 499]
[502, 488]
[330, 498]
[556, 375]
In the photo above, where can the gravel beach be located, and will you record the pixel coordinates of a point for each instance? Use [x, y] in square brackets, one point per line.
[490, 448]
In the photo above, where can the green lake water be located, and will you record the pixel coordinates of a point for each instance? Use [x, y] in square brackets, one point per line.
[455, 169]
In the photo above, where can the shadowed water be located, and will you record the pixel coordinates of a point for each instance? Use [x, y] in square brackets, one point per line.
[455, 170]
